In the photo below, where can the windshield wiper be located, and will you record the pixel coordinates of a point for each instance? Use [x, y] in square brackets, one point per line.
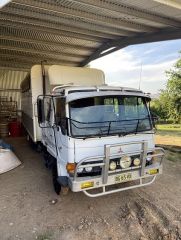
[106, 128]
[137, 126]
[109, 128]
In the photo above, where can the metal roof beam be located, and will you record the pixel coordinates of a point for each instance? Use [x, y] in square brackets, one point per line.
[60, 56]
[162, 35]
[29, 55]
[48, 38]
[14, 65]
[82, 51]
[128, 10]
[44, 29]
[86, 30]
[31, 60]
[19, 65]
[65, 11]
[14, 69]
[16, 60]
[123, 42]
[6, 43]
[171, 3]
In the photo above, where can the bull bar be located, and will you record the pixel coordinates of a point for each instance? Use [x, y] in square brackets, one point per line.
[107, 177]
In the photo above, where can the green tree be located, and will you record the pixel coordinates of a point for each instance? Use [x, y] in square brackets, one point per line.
[159, 108]
[168, 105]
[173, 92]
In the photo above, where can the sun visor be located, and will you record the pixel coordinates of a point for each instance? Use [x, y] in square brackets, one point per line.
[81, 95]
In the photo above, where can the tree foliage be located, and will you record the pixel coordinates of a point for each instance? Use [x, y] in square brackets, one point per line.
[168, 105]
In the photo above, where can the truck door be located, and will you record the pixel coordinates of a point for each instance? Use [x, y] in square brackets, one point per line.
[46, 116]
[61, 127]
[50, 122]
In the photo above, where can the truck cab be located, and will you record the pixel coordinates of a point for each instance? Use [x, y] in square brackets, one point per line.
[98, 137]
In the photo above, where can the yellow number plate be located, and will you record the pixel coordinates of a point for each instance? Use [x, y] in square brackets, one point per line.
[87, 185]
[153, 171]
[124, 177]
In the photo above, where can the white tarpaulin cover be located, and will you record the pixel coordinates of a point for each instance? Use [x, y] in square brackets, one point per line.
[8, 160]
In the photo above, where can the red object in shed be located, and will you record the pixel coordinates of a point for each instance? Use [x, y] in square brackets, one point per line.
[15, 129]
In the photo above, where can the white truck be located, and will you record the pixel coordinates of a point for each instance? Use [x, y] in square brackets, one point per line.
[93, 136]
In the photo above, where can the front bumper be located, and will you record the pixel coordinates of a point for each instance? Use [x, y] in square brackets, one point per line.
[141, 176]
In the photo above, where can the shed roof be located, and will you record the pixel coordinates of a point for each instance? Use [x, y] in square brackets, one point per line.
[74, 32]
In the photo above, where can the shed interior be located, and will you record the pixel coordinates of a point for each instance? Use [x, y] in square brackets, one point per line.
[73, 33]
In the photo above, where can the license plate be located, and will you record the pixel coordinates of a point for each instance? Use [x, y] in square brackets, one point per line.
[124, 177]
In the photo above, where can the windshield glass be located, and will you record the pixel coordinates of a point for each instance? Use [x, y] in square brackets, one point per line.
[109, 115]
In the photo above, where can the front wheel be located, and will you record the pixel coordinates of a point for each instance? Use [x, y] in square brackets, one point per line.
[56, 184]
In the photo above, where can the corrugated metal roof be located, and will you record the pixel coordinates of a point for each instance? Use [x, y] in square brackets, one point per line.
[74, 32]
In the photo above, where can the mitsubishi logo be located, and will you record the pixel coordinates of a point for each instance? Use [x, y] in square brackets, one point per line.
[120, 150]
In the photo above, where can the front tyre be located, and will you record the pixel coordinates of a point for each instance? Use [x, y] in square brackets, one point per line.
[56, 184]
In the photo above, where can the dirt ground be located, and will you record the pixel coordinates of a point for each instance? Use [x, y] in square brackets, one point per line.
[27, 211]
[168, 140]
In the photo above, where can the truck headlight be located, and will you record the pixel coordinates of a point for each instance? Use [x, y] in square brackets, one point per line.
[88, 169]
[148, 158]
[125, 161]
[136, 162]
[112, 165]
[80, 170]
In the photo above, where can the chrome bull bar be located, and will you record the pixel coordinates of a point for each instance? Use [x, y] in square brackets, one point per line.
[105, 166]
[104, 192]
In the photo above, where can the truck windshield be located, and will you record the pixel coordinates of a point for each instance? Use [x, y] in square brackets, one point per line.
[109, 115]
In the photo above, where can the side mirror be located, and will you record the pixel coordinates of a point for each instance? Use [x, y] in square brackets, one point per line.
[45, 111]
[154, 119]
[64, 126]
[40, 110]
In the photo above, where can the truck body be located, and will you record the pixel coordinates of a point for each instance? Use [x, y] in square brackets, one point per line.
[93, 135]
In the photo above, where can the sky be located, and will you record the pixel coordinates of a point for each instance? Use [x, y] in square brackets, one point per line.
[147, 62]
[3, 3]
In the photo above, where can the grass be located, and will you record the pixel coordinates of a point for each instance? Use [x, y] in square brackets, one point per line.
[168, 134]
[169, 129]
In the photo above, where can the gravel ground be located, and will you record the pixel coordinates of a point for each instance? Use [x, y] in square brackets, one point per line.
[29, 208]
